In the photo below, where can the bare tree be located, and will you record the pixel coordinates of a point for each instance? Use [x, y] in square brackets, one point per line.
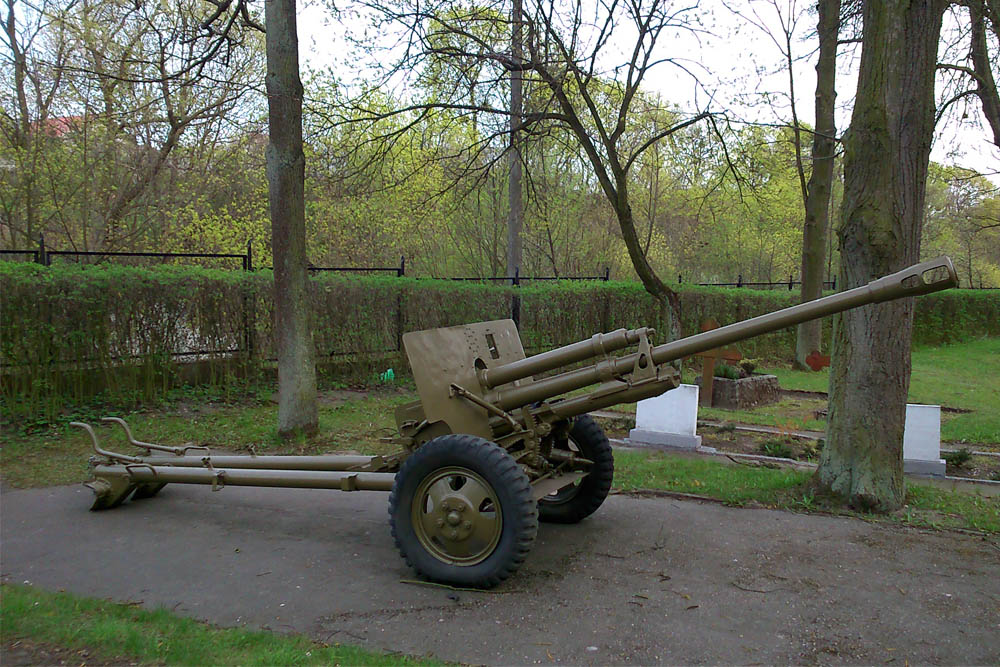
[37, 53]
[108, 92]
[970, 69]
[815, 193]
[588, 95]
[516, 215]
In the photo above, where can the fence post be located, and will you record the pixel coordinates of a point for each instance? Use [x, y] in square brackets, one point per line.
[789, 282]
[835, 283]
[249, 305]
[41, 257]
[606, 305]
[515, 300]
[400, 320]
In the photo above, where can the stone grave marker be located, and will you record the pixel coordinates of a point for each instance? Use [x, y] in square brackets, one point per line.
[922, 440]
[668, 420]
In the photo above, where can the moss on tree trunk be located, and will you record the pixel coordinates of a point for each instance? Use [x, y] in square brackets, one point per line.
[885, 165]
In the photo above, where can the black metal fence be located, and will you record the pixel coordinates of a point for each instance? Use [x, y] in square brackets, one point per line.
[44, 256]
[791, 283]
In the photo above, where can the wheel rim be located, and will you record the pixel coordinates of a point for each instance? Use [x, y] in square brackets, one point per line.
[456, 516]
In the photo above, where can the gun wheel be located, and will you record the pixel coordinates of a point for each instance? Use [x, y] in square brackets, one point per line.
[575, 502]
[462, 512]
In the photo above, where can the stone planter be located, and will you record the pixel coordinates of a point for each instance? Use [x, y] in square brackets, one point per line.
[745, 393]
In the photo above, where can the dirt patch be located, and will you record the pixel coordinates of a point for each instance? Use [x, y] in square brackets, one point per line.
[25, 653]
[802, 393]
[977, 467]
[728, 439]
[331, 398]
[335, 397]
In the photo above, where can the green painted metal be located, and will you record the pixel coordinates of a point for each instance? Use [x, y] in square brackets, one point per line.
[456, 516]
[221, 477]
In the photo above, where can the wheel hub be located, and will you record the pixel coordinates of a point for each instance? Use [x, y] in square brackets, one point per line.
[456, 516]
[456, 526]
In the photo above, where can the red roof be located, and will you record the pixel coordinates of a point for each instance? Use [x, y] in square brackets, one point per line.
[60, 125]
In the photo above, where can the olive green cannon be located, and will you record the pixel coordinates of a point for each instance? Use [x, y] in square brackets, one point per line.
[497, 441]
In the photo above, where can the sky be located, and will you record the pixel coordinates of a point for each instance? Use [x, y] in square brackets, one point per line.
[739, 67]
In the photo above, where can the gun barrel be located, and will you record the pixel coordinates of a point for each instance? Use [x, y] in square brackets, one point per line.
[923, 278]
[597, 345]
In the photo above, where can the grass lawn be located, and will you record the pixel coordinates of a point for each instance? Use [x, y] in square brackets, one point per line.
[348, 422]
[783, 488]
[792, 414]
[125, 633]
[964, 375]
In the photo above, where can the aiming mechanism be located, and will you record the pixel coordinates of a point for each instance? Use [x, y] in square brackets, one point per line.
[490, 448]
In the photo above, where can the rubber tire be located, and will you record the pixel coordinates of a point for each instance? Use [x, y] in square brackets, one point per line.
[518, 509]
[590, 493]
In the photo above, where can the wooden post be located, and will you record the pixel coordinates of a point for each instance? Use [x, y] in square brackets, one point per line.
[709, 358]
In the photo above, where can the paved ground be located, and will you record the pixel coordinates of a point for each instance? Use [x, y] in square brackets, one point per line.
[643, 581]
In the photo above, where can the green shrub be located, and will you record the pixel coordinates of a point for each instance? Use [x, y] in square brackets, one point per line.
[68, 332]
[958, 459]
[777, 448]
[727, 371]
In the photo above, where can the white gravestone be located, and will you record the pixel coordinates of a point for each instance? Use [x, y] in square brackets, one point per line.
[668, 420]
[922, 440]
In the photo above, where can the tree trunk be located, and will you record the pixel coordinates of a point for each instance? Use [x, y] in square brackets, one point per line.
[886, 156]
[23, 139]
[285, 179]
[809, 337]
[515, 218]
[986, 86]
[670, 305]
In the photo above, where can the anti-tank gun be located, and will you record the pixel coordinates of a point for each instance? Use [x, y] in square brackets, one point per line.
[493, 445]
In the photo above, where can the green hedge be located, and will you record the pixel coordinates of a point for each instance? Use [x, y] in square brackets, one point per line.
[67, 332]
